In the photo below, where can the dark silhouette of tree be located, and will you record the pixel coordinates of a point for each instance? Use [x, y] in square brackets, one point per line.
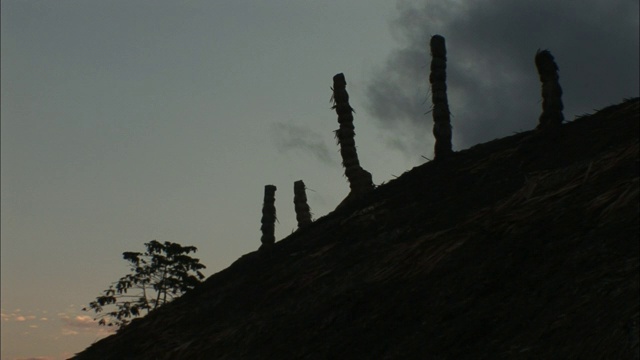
[162, 273]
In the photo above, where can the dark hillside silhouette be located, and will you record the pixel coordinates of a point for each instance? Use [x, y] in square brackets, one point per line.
[522, 247]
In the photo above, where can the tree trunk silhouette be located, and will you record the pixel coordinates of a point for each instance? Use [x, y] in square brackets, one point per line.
[441, 113]
[551, 117]
[303, 212]
[360, 180]
[268, 217]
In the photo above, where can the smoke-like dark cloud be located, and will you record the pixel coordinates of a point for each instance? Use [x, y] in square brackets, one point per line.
[294, 137]
[493, 85]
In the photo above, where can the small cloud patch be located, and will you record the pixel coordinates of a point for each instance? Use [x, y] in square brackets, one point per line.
[290, 137]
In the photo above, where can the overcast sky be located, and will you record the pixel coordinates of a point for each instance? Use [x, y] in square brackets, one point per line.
[493, 85]
[128, 121]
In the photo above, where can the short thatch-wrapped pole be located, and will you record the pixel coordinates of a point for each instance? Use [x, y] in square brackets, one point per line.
[268, 217]
[551, 117]
[441, 113]
[360, 180]
[303, 212]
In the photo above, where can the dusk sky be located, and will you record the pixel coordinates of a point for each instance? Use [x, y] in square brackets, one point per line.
[128, 121]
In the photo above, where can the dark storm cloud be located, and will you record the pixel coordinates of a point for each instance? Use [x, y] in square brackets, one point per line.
[493, 85]
[294, 137]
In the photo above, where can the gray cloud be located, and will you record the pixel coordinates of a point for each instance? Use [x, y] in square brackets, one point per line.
[493, 85]
[295, 137]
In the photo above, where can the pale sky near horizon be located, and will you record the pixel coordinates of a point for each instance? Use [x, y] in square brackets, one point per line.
[128, 121]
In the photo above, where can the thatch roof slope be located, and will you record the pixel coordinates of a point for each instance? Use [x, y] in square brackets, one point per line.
[522, 247]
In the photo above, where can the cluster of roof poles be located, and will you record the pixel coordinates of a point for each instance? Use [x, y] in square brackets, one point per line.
[360, 180]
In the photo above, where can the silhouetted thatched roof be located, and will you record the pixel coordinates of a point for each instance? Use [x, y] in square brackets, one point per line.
[522, 247]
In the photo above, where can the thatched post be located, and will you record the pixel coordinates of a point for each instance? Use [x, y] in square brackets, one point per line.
[268, 216]
[360, 180]
[303, 212]
[441, 113]
[551, 117]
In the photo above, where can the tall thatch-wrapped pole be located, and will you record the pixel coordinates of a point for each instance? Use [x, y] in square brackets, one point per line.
[551, 117]
[360, 180]
[303, 212]
[268, 217]
[441, 113]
